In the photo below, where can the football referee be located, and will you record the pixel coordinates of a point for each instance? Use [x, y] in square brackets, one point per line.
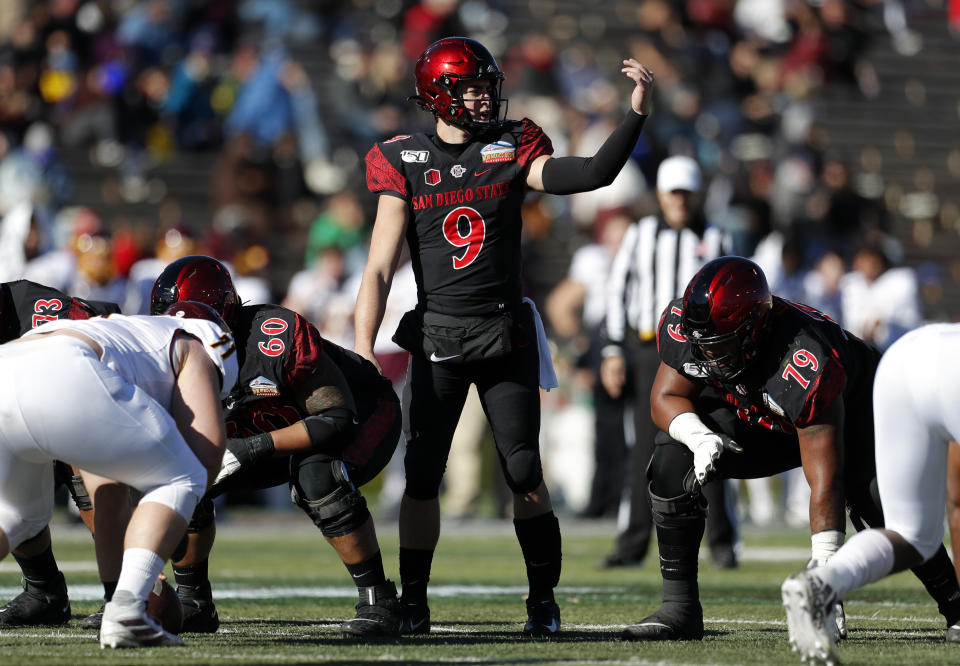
[656, 259]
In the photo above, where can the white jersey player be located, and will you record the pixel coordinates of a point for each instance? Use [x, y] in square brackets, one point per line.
[135, 400]
[915, 398]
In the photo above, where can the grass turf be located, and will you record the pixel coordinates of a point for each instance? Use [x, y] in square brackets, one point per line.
[282, 593]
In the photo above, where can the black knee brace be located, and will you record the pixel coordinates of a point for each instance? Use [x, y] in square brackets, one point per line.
[203, 516]
[680, 524]
[522, 471]
[338, 512]
[79, 493]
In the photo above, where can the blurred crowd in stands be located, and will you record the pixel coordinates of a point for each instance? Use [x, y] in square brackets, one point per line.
[133, 132]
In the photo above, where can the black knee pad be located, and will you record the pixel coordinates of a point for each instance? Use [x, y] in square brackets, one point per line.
[338, 512]
[522, 471]
[79, 493]
[313, 475]
[203, 516]
[670, 470]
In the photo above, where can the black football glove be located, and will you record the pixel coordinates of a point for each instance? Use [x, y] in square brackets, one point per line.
[244, 451]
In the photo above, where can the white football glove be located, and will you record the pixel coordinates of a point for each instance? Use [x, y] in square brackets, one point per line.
[228, 467]
[706, 445]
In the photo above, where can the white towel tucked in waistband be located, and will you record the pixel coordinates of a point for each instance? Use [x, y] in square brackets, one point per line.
[548, 377]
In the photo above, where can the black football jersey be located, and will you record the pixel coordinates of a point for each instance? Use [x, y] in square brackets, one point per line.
[278, 352]
[464, 230]
[806, 361]
[25, 305]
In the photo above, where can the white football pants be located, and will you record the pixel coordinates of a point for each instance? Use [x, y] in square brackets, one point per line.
[916, 405]
[59, 402]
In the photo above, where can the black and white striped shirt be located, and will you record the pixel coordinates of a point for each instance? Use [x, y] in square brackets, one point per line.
[652, 267]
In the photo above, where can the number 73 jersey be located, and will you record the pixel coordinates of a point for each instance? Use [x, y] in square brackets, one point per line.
[464, 229]
[805, 362]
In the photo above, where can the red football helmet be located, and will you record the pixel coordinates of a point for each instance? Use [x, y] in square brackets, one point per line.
[447, 62]
[196, 278]
[196, 310]
[726, 310]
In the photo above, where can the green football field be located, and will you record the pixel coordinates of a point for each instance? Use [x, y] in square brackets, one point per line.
[282, 593]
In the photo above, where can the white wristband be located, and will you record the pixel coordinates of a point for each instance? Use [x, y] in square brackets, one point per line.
[823, 545]
[686, 427]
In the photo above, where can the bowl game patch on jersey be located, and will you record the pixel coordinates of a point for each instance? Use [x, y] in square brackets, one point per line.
[261, 386]
[498, 151]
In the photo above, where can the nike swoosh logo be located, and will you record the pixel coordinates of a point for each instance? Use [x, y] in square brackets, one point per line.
[480, 173]
[438, 359]
[554, 626]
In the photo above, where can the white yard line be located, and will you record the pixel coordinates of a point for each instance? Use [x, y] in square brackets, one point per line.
[749, 554]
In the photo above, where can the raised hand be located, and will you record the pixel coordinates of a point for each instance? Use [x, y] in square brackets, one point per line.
[642, 95]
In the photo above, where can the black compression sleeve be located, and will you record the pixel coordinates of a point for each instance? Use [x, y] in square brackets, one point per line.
[567, 175]
[331, 430]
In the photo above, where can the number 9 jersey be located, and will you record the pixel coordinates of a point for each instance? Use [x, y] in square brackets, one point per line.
[805, 362]
[464, 202]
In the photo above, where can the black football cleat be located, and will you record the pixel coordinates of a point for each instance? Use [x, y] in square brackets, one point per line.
[199, 612]
[378, 613]
[40, 604]
[414, 617]
[95, 619]
[670, 622]
[543, 618]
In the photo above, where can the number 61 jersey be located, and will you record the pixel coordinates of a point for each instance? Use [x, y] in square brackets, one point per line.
[805, 361]
[464, 202]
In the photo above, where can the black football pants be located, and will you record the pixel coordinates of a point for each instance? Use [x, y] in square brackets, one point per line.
[433, 398]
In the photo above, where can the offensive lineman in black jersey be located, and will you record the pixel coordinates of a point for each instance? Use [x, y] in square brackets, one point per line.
[44, 601]
[455, 196]
[751, 385]
[305, 412]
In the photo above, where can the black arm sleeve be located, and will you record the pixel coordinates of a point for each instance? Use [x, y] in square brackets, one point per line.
[567, 175]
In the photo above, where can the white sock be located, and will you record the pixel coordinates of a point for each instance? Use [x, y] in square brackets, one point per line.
[865, 558]
[139, 572]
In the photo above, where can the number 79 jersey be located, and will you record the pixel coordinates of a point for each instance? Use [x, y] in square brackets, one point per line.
[805, 362]
[464, 229]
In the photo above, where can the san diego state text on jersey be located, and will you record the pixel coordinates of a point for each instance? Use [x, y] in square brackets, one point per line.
[465, 203]
[805, 362]
[468, 195]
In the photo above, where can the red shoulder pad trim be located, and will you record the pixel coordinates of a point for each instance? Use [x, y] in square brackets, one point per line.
[383, 176]
[533, 143]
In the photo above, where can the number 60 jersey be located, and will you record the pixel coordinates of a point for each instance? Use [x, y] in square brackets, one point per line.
[805, 361]
[464, 203]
